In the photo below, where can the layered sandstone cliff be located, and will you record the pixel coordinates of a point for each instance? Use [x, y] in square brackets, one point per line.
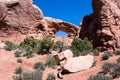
[103, 26]
[22, 17]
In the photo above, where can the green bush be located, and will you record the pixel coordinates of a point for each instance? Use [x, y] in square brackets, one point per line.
[18, 70]
[118, 60]
[81, 46]
[99, 77]
[116, 70]
[32, 75]
[30, 44]
[10, 46]
[29, 54]
[57, 45]
[51, 76]
[95, 52]
[109, 53]
[17, 53]
[106, 67]
[105, 56]
[50, 61]
[46, 45]
[17, 77]
[117, 52]
[39, 65]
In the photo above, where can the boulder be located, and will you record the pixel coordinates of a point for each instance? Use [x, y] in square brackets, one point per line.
[103, 26]
[80, 63]
[63, 56]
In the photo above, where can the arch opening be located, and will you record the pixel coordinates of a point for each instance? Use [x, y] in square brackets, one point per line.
[61, 34]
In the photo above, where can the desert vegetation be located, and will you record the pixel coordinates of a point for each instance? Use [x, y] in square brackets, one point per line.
[99, 77]
[110, 71]
[39, 65]
[10, 45]
[31, 47]
[81, 47]
[51, 76]
[50, 61]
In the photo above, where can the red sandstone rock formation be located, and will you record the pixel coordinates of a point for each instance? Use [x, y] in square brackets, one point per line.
[103, 26]
[55, 25]
[22, 17]
[18, 17]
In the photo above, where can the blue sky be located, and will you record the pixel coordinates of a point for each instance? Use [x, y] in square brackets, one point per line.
[68, 10]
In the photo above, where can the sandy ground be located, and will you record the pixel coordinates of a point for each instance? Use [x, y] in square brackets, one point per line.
[8, 63]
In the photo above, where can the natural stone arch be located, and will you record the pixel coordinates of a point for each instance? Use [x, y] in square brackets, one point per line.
[55, 25]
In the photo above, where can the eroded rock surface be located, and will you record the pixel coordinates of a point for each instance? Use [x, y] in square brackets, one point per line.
[18, 15]
[55, 25]
[103, 26]
[80, 63]
[62, 57]
[22, 17]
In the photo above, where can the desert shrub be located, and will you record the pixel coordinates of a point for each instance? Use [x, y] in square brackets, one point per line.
[51, 76]
[65, 48]
[57, 45]
[109, 53]
[105, 56]
[99, 77]
[118, 60]
[94, 63]
[39, 65]
[19, 60]
[95, 52]
[17, 53]
[32, 75]
[50, 61]
[18, 70]
[29, 54]
[10, 45]
[46, 45]
[17, 77]
[80, 46]
[30, 44]
[106, 67]
[116, 70]
[117, 52]
[84, 53]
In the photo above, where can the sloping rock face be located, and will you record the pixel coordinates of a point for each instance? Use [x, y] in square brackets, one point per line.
[103, 26]
[18, 16]
[22, 17]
